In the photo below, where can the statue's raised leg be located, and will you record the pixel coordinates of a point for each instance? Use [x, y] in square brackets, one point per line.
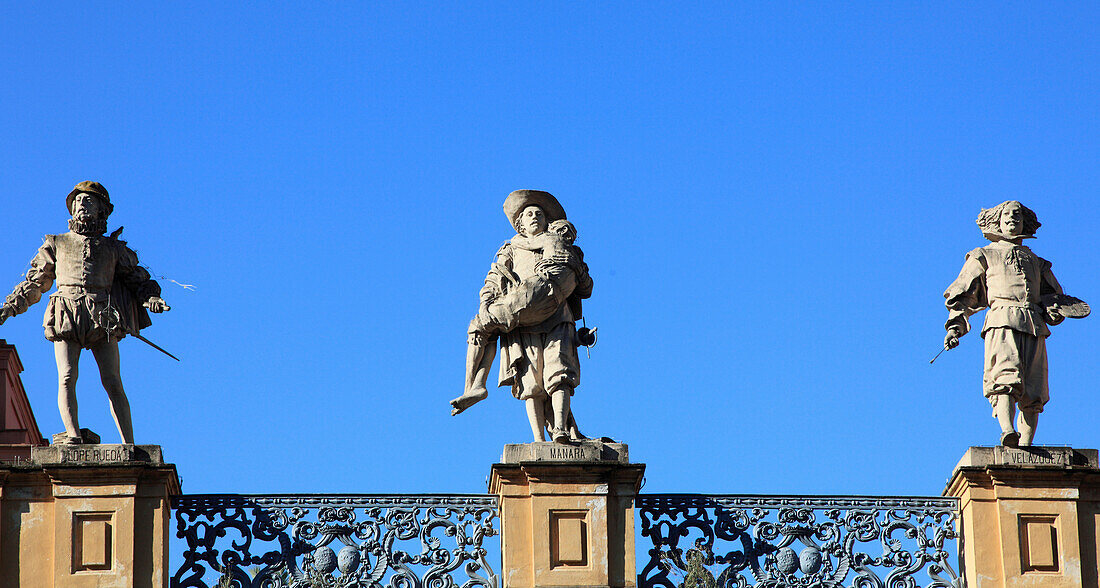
[480, 353]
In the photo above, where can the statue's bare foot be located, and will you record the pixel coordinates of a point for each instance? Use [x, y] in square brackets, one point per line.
[468, 399]
[1010, 439]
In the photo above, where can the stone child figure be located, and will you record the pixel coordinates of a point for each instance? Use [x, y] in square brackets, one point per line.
[101, 296]
[1023, 297]
[531, 300]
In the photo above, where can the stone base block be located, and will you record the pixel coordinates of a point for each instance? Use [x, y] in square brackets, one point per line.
[566, 516]
[97, 455]
[1024, 457]
[589, 451]
[86, 516]
[1030, 516]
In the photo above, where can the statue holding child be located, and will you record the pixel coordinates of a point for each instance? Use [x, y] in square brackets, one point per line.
[530, 303]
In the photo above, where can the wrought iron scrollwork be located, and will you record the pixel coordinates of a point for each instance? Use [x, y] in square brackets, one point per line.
[728, 541]
[310, 541]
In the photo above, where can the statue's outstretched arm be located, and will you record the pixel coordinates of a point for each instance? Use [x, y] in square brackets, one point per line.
[39, 280]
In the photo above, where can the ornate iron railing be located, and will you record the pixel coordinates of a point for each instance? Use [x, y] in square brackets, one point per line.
[726, 541]
[361, 541]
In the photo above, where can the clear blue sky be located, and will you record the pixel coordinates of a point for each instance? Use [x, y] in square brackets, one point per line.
[772, 199]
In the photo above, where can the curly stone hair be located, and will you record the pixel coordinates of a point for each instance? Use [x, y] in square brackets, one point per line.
[989, 221]
[564, 229]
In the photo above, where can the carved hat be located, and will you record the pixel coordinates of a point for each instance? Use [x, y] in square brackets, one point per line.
[520, 199]
[89, 187]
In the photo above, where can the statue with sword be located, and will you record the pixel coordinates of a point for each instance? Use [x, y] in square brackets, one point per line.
[102, 296]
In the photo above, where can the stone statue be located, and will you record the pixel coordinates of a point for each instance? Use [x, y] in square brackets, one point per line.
[102, 294]
[531, 302]
[1023, 297]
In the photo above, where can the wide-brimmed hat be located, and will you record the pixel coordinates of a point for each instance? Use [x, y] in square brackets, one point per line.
[91, 188]
[521, 199]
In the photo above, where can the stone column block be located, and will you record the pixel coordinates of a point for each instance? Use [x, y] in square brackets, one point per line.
[1029, 516]
[86, 516]
[566, 514]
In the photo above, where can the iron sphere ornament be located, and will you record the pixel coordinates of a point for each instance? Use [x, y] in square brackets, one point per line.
[809, 561]
[786, 560]
[348, 559]
[324, 559]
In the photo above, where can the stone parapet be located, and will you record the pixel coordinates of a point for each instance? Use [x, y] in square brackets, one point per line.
[567, 517]
[1030, 517]
[86, 516]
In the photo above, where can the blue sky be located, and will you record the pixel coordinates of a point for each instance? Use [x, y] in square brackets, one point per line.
[771, 198]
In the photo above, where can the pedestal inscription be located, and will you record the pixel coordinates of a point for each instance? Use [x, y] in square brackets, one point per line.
[591, 451]
[105, 454]
[1029, 456]
[96, 453]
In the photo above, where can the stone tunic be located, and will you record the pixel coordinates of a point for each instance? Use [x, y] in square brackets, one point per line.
[100, 289]
[1009, 280]
[538, 359]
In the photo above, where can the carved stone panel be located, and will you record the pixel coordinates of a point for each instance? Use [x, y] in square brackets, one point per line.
[92, 541]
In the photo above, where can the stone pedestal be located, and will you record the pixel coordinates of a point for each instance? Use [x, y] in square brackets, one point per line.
[1030, 516]
[86, 516]
[566, 514]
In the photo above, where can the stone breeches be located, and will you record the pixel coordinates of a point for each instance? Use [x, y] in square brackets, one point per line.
[549, 363]
[73, 320]
[1016, 366]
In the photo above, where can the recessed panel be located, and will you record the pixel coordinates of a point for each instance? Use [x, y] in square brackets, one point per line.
[1039, 543]
[568, 538]
[92, 538]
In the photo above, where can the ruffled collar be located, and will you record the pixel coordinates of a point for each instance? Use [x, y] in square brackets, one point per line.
[1006, 244]
[998, 237]
[528, 243]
